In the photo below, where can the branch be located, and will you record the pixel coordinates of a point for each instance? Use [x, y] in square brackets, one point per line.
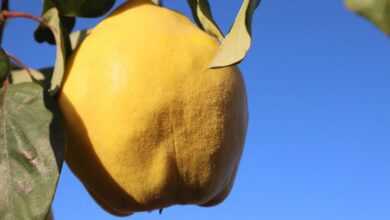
[17, 14]
[5, 4]
[4, 7]
[20, 64]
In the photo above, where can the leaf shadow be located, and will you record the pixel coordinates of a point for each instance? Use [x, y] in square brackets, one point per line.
[56, 129]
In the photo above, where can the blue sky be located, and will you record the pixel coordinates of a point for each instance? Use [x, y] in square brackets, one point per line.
[318, 146]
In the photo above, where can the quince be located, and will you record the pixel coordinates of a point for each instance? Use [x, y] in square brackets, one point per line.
[149, 124]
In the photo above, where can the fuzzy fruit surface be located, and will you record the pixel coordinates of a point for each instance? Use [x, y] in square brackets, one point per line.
[149, 124]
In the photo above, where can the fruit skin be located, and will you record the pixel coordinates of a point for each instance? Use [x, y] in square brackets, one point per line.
[149, 124]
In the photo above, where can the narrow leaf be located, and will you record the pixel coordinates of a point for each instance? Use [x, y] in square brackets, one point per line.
[41, 76]
[5, 66]
[377, 11]
[76, 38]
[238, 41]
[52, 19]
[157, 2]
[31, 151]
[43, 33]
[203, 17]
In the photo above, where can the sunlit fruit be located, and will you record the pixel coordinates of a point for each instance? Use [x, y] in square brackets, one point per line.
[149, 124]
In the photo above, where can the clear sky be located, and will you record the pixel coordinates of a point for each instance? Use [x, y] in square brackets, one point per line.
[318, 146]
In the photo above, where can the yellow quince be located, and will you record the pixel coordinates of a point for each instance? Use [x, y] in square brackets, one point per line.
[149, 124]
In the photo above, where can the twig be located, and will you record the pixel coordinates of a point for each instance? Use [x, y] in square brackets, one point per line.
[18, 14]
[4, 7]
[5, 4]
[20, 64]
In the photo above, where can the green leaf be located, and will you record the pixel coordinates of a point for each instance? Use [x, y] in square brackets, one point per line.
[203, 17]
[5, 66]
[52, 20]
[50, 215]
[238, 41]
[31, 151]
[84, 8]
[43, 33]
[377, 11]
